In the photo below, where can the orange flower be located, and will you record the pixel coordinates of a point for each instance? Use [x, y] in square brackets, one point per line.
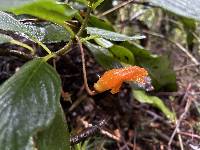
[114, 78]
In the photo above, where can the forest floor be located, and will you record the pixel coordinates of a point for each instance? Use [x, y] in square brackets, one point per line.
[127, 124]
[130, 124]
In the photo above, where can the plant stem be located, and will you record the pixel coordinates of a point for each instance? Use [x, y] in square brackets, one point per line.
[52, 55]
[84, 24]
[89, 91]
[43, 46]
[71, 32]
[16, 53]
[22, 45]
[91, 37]
[65, 49]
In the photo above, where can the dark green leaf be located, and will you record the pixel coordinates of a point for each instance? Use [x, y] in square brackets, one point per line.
[136, 49]
[189, 27]
[99, 23]
[103, 56]
[160, 71]
[142, 97]
[55, 136]
[48, 10]
[123, 54]
[54, 34]
[187, 8]
[113, 36]
[162, 75]
[29, 104]
[48, 33]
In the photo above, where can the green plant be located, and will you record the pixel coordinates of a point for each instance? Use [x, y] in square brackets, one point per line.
[30, 112]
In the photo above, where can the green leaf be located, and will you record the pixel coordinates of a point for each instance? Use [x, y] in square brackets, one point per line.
[190, 28]
[8, 39]
[187, 8]
[5, 4]
[85, 2]
[103, 42]
[113, 36]
[48, 33]
[142, 97]
[5, 38]
[137, 49]
[161, 73]
[55, 136]
[122, 54]
[48, 10]
[103, 56]
[96, 4]
[100, 23]
[9, 23]
[54, 34]
[29, 105]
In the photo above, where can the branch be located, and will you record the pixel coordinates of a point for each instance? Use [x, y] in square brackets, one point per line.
[195, 61]
[16, 53]
[124, 4]
[89, 91]
[178, 122]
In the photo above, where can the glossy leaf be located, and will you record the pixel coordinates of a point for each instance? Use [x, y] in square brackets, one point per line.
[103, 42]
[29, 104]
[142, 97]
[55, 136]
[122, 54]
[48, 10]
[9, 23]
[187, 8]
[54, 34]
[49, 33]
[162, 75]
[103, 56]
[5, 38]
[113, 36]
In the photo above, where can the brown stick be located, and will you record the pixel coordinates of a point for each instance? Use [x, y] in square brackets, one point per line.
[122, 5]
[89, 91]
[183, 49]
[178, 122]
[189, 134]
